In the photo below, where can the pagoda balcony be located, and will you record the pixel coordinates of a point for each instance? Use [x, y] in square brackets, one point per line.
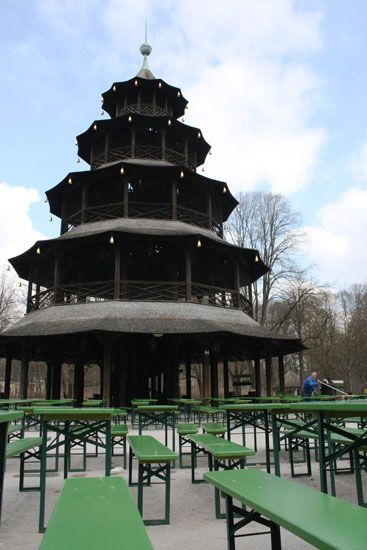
[141, 108]
[151, 152]
[160, 211]
[140, 291]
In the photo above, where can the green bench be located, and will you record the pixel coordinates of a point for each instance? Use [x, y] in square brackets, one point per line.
[221, 453]
[323, 521]
[95, 513]
[205, 411]
[183, 430]
[214, 428]
[118, 437]
[25, 449]
[154, 460]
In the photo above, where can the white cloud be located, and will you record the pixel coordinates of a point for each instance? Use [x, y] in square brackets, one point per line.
[358, 163]
[16, 228]
[337, 244]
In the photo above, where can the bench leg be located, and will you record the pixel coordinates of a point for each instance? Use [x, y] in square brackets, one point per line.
[3, 433]
[140, 489]
[167, 500]
[41, 519]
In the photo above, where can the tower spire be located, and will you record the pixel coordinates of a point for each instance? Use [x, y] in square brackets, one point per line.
[145, 50]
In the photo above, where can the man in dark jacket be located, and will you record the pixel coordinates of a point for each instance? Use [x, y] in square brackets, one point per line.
[309, 385]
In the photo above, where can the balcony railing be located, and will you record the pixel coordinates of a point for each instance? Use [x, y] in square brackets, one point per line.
[162, 211]
[141, 291]
[151, 152]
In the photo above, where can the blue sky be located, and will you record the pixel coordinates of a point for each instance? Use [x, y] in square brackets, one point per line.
[277, 86]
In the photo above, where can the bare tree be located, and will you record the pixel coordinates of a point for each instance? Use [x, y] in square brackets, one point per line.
[12, 299]
[266, 221]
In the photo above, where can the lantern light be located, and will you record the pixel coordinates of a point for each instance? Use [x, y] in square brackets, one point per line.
[199, 134]
[46, 200]
[256, 258]
[78, 160]
[135, 83]
[70, 181]
[112, 240]
[182, 174]
[203, 169]
[198, 244]
[178, 93]
[224, 189]
[169, 122]
[38, 251]
[8, 268]
[122, 171]
[94, 126]
[102, 99]
[130, 118]
[76, 143]
[20, 285]
[114, 88]
[159, 84]
[182, 119]
[210, 152]
[102, 112]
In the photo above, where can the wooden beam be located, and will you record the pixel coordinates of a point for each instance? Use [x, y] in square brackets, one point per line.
[281, 374]
[126, 199]
[56, 378]
[174, 200]
[269, 374]
[84, 204]
[210, 212]
[48, 379]
[188, 275]
[7, 381]
[257, 376]
[133, 142]
[163, 144]
[226, 377]
[205, 374]
[237, 283]
[214, 374]
[188, 377]
[24, 370]
[56, 277]
[117, 271]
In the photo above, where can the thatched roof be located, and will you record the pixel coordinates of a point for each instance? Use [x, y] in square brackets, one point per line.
[141, 317]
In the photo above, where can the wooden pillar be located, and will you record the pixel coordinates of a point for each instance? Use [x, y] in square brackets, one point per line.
[268, 372]
[163, 144]
[117, 271]
[237, 284]
[205, 374]
[64, 225]
[30, 292]
[48, 379]
[226, 377]
[257, 377]
[154, 102]
[79, 379]
[56, 278]
[188, 377]
[7, 380]
[186, 145]
[56, 378]
[281, 374]
[121, 401]
[214, 374]
[171, 366]
[24, 369]
[174, 200]
[126, 199]
[106, 147]
[188, 275]
[107, 369]
[84, 204]
[133, 142]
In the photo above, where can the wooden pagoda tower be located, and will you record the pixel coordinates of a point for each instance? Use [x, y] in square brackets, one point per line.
[140, 279]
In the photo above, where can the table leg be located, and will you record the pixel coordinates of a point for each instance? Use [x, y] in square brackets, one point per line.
[67, 449]
[228, 425]
[322, 464]
[43, 465]
[276, 444]
[267, 443]
[167, 494]
[3, 437]
[108, 457]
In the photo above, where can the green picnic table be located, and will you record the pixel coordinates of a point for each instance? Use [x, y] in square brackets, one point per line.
[95, 513]
[325, 522]
[149, 415]
[92, 424]
[221, 453]
[154, 460]
[320, 417]
[5, 419]
[255, 415]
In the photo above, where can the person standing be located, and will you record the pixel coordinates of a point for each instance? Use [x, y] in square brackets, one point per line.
[309, 385]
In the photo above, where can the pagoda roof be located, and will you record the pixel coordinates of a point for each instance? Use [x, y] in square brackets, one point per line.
[147, 81]
[138, 167]
[141, 227]
[104, 127]
[147, 317]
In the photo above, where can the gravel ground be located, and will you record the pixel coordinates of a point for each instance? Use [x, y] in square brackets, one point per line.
[193, 524]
